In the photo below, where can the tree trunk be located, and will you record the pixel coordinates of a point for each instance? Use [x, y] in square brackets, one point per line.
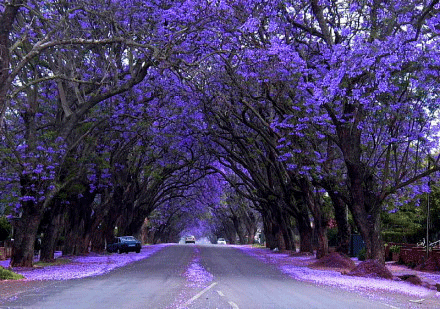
[286, 228]
[279, 238]
[269, 234]
[305, 234]
[250, 226]
[69, 247]
[50, 238]
[366, 213]
[79, 225]
[238, 229]
[344, 231]
[321, 233]
[98, 241]
[320, 228]
[251, 231]
[373, 239]
[25, 230]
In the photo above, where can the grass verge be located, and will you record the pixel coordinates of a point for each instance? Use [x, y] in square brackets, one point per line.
[57, 262]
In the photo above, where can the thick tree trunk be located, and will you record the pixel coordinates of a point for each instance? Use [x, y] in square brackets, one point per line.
[230, 234]
[274, 235]
[80, 224]
[98, 241]
[25, 231]
[50, 238]
[366, 213]
[286, 228]
[313, 199]
[320, 228]
[77, 243]
[305, 234]
[74, 244]
[70, 244]
[237, 227]
[341, 217]
[269, 234]
[136, 223]
[371, 234]
[365, 206]
[321, 234]
[250, 226]
[251, 234]
[279, 238]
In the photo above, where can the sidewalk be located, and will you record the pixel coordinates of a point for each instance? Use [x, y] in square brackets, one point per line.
[83, 266]
[398, 270]
[296, 266]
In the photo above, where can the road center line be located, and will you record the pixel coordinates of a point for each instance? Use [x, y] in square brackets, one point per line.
[233, 305]
[220, 293]
[198, 295]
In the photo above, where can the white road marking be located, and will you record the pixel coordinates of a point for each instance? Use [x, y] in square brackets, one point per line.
[233, 305]
[391, 306]
[198, 295]
[220, 293]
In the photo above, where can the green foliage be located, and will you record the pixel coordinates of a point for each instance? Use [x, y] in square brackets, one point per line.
[408, 224]
[361, 254]
[395, 249]
[332, 235]
[5, 228]
[6, 274]
[403, 226]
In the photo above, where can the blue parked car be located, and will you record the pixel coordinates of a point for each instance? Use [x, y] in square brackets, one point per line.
[124, 244]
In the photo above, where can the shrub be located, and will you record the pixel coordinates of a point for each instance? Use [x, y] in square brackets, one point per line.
[6, 274]
[361, 254]
[395, 249]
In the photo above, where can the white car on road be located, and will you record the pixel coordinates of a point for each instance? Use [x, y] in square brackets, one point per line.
[221, 241]
[190, 239]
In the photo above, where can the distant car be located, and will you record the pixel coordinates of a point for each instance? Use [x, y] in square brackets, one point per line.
[124, 244]
[190, 239]
[221, 241]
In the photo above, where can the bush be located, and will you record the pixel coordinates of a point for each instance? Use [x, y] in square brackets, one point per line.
[395, 249]
[6, 274]
[361, 254]
[332, 235]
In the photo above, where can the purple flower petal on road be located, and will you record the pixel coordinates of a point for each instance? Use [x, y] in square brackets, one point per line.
[197, 275]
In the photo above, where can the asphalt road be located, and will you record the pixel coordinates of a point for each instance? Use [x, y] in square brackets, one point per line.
[239, 281]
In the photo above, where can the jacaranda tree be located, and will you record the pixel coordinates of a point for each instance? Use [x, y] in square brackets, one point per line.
[132, 99]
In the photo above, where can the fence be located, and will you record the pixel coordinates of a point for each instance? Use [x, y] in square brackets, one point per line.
[417, 255]
[411, 254]
[5, 253]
